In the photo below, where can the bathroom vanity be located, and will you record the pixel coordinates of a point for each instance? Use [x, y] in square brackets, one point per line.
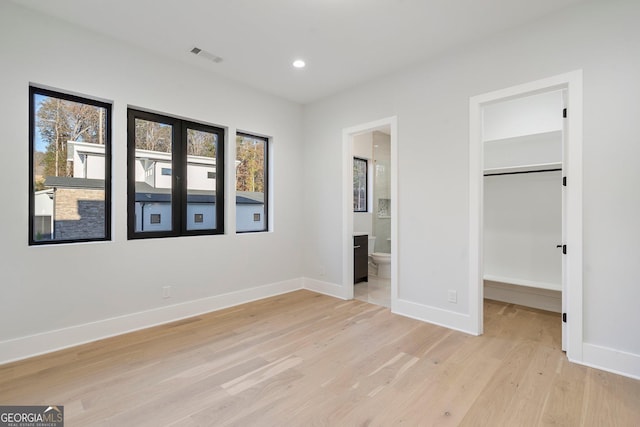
[360, 258]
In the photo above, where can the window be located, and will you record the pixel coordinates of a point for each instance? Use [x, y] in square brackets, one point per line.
[360, 174]
[69, 168]
[169, 162]
[251, 183]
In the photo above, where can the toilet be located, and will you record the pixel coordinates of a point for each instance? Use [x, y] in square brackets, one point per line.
[380, 259]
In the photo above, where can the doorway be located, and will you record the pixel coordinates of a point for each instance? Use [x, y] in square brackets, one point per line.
[563, 274]
[373, 216]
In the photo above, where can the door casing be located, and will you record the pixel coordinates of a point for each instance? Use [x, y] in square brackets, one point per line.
[572, 214]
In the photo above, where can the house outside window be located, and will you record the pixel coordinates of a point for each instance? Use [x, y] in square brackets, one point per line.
[70, 168]
[169, 164]
[252, 183]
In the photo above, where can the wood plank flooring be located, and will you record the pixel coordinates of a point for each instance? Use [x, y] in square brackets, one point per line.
[304, 359]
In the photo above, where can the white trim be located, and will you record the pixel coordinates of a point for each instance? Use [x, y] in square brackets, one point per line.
[434, 315]
[325, 288]
[46, 342]
[571, 81]
[610, 360]
[476, 168]
[347, 200]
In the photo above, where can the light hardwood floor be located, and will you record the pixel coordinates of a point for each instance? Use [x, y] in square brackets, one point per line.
[304, 359]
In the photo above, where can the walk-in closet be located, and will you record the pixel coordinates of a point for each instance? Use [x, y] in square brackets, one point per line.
[523, 200]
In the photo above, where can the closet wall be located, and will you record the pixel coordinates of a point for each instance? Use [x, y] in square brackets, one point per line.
[523, 200]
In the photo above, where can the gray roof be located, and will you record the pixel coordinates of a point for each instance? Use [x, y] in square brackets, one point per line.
[148, 193]
[249, 198]
[71, 182]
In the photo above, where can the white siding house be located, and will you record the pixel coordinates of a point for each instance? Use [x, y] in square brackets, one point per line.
[153, 174]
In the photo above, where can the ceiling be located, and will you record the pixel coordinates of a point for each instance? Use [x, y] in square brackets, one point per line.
[344, 42]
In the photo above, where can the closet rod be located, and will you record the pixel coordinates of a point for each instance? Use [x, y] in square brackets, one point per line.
[519, 172]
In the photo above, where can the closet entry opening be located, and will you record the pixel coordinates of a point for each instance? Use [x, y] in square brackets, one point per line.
[523, 140]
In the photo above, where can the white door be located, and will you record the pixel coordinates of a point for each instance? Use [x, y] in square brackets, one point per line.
[564, 221]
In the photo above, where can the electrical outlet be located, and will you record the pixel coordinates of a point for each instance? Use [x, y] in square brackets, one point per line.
[453, 296]
[166, 292]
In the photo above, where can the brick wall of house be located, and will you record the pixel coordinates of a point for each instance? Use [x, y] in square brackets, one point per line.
[79, 213]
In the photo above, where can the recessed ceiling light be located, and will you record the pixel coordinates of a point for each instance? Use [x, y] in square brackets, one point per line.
[299, 63]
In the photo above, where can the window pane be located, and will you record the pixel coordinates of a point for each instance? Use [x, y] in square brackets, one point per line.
[201, 179]
[359, 185]
[153, 164]
[251, 183]
[69, 152]
[177, 168]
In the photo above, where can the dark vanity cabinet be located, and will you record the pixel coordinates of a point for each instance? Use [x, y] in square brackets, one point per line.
[360, 258]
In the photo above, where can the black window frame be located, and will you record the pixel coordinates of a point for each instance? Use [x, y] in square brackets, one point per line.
[366, 184]
[266, 181]
[179, 218]
[33, 92]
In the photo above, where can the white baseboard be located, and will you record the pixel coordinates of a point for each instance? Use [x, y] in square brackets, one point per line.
[543, 299]
[610, 360]
[607, 359]
[437, 316]
[46, 342]
[325, 288]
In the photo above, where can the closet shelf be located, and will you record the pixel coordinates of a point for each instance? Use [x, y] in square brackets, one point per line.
[525, 168]
[554, 134]
[524, 282]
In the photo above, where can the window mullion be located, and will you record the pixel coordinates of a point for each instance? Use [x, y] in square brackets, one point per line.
[178, 179]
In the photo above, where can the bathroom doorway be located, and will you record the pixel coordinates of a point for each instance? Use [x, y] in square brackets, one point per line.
[370, 209]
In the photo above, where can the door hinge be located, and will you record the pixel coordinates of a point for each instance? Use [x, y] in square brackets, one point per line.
[564, 248]
[564, 113]
[564, 181]
[564, 317]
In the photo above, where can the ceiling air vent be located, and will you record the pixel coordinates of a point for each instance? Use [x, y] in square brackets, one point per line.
[207, 55]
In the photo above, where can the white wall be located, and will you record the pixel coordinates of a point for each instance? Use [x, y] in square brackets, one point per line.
[539, 149]
[431, 102]
[363, 145]
[523, 213]
[523, 131]
[522, 226]
[513, 118]
[381, 190]
[66, 286]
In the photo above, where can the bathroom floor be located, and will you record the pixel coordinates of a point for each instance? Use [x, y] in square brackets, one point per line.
[376, 291]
